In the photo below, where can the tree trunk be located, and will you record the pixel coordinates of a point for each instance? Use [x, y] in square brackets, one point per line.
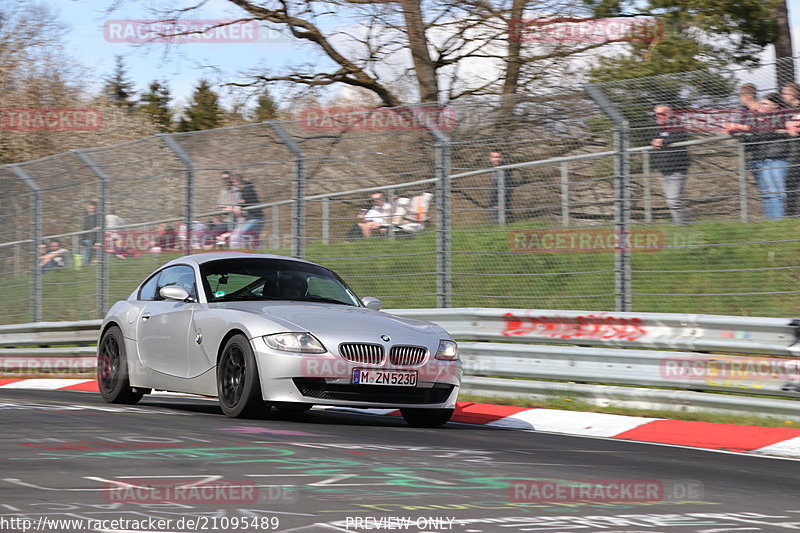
[783, 46]
[418, 43]
[513, 60]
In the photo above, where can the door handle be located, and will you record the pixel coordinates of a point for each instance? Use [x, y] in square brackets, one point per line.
[145, 317]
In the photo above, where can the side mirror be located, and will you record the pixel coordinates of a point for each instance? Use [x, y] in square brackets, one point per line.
[372, 303]
[174, 292]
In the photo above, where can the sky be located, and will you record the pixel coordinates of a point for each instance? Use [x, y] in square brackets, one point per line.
[181, 66]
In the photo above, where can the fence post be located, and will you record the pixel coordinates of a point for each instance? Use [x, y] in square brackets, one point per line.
[17, 266]
[298, 189]
[276, 228]
[326, 221]
[565, 194]
[742, 184]
[648, 194]
[36, 293]
[622, 213]
[501, 197]
[179, 152]
[443, 265]
[103, 277]
[390, 198]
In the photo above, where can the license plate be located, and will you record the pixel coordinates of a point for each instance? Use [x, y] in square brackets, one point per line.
[363, 376]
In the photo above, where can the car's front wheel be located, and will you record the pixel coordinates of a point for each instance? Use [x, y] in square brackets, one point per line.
[112, 369]
[426, 418]
[237, 379]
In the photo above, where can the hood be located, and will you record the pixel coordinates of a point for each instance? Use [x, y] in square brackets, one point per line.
[333, 318]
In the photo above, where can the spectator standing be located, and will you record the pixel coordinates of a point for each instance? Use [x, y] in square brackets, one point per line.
[673, 163]
[748, 97]
[374, 218]
[500, 179]
[769, 152]
[790, 93]
[113, 220]
[90, 238]
[747, 113]
[251, 219]
[229, 198]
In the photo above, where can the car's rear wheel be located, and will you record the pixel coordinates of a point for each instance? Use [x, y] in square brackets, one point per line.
[426, 418]
[237, 379]
[112, 369]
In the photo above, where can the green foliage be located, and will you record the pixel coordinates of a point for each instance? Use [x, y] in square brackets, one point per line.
[697, 34]
[118, 88]
[204, 111]
[266, 107]
[155, 103]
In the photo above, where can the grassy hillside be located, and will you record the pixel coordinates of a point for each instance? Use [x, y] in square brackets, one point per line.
[758, 264]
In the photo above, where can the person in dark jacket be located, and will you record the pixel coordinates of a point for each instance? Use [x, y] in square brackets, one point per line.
[250, 220]
[766, 144]
[673, 163]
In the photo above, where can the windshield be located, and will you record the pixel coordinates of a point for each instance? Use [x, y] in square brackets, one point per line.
[248, 279]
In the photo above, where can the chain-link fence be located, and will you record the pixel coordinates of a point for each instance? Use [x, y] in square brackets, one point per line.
[554, 202]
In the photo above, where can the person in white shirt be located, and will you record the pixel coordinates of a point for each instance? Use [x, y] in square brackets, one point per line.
[374, 219]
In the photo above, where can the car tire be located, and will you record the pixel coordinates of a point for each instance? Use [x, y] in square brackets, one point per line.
[112, 369]
[238, 385]
[426, 418]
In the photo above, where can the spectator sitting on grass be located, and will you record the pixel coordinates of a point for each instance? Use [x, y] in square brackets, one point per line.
[374, 219]
[56, 256]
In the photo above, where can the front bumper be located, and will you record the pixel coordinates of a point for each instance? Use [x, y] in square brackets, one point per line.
[326, 379]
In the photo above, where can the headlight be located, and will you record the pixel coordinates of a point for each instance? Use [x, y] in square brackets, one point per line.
[448, 351]
[295, 342]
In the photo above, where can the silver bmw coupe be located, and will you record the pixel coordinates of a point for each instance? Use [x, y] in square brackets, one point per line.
[261, 331]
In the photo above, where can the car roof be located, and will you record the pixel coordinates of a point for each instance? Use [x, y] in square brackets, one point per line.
[215, 256]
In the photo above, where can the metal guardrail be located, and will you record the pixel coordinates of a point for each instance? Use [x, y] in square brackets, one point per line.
[65, 349]
[583, 354]
[668, 331]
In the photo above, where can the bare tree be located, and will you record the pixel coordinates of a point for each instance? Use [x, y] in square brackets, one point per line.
[431, 51]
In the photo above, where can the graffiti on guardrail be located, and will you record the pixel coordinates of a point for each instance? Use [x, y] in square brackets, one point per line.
[593, 326]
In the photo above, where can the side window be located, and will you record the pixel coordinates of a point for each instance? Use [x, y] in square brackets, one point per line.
[327, 288]
[148, 290]
[177, 275]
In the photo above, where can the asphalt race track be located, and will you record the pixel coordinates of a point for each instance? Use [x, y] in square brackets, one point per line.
[177, 464]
